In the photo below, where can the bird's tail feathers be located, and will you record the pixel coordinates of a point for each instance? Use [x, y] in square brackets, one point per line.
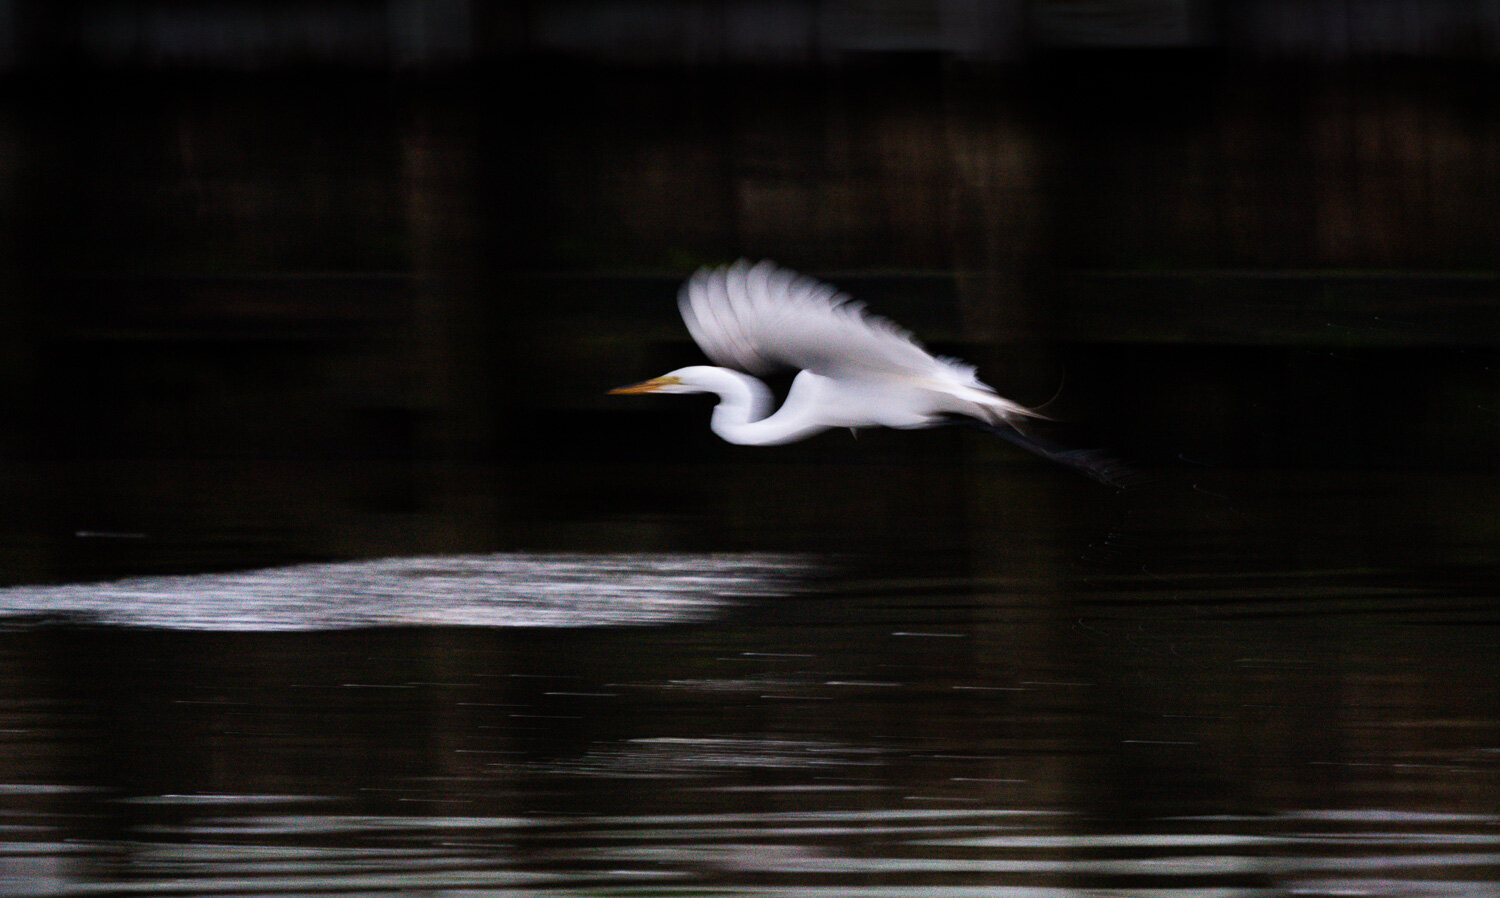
[995, 409]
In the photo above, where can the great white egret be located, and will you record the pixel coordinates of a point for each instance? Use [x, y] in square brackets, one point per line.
[855, 369]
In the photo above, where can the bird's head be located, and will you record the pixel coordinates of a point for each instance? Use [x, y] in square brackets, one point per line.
[683, 380]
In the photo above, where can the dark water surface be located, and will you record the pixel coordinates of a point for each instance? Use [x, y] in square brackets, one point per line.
[1215, 685]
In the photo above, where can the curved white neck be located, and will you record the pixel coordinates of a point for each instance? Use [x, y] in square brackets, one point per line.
[743, 413]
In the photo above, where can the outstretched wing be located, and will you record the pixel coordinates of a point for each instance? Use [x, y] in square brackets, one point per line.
[762, 317]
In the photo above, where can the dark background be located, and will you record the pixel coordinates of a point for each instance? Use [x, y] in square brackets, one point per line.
[330, 280]
[286, 282]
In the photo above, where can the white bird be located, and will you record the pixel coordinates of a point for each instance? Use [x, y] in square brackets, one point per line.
[855, 369]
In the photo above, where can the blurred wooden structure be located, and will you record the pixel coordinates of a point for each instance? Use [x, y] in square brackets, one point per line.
[404, 33]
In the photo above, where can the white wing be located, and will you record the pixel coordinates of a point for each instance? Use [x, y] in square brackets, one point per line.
[761, 317]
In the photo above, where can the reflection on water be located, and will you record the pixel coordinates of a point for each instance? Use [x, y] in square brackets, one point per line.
[498, 590]
[1178, 700]
[840, 852]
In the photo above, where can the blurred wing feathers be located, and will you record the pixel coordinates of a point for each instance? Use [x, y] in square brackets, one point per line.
[761, 317]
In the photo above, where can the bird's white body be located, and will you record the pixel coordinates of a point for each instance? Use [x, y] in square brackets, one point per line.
[856, 369]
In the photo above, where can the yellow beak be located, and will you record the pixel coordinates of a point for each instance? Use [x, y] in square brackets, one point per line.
[649, 386]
